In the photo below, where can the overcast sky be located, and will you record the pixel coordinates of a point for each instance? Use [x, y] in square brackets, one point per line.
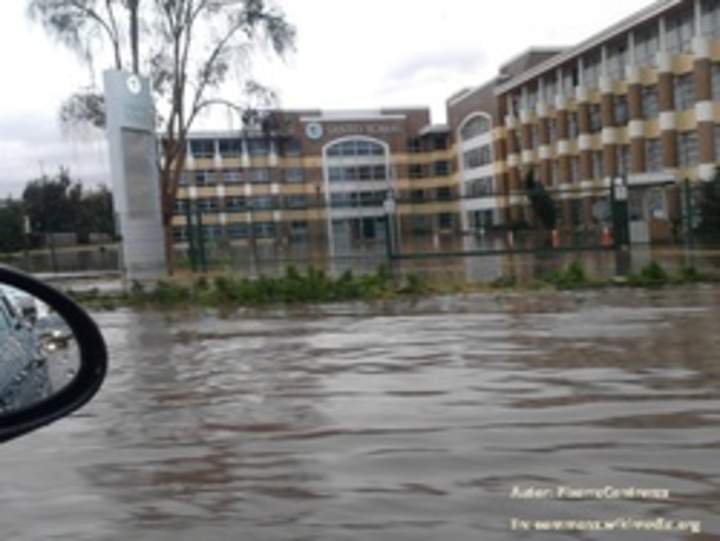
[350, 55]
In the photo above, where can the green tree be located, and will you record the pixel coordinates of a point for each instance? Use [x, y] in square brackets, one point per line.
[11, 225]
[190, 49]
[541, 202]
[60, 205]
[709, 203]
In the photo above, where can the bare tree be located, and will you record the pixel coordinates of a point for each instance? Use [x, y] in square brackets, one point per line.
[189, 50]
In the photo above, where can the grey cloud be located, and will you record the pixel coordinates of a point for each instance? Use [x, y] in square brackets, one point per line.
[31, 144]
[433, 65]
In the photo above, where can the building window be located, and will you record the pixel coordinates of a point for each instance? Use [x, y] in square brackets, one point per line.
[445, 220]
[204, 178]
[550, 88]
[595, 118]
[441, 168]
[180, 206]
[646, 46]
[209, 204]
[711, 18]
[298, 230]
[477, 157]
[716, 81]
[591, 70]
[680, 32]
[534, 136]
[296, 201]
[443, 194]
[439, 142]
[202, 148]
[479, 187]
[684, 92]
[617, 58]
[230, 148]
[413, 145]
[238, 231]
[184, 179]
[621, 110]
[716, 136]
[574, 169]
[231, 176]
[212, 232]
[258, 147]
[264, 229]
[572, 125]
[656, 206]
[598, 165]
[477, 125]
[294, 174]
[575, 212]
[569, 80]
[688, 153]
[356, 148]
[290, 148]
[415, 170]
[262, 202]
[650, 103]
[552, 129]
[421, 224]
[653, 155]
[180, 234]
[623, 160]
[354, 173]
[235, 203]
[555, 172]
[258, 175]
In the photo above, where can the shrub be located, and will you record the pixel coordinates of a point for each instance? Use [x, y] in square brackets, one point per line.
[571, 277]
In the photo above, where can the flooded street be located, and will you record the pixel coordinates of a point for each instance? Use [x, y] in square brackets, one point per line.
[391, 421]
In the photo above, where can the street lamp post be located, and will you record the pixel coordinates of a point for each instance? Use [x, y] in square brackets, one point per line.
[390, 206]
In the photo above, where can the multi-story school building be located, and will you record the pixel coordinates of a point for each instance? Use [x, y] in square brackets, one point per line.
[639, 100]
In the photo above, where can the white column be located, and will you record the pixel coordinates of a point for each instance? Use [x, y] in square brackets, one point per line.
[245, 157]
[662, 35]
[273, 157]
[581, 79]
[698, 18]
[189, 155]
[218, 158]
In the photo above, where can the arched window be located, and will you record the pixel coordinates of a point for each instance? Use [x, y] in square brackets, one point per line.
[475, 126]
[355, 147]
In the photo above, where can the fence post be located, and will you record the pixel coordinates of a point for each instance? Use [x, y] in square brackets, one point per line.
[190, 223]
[201, 242]
[689, 211]
[621, 230]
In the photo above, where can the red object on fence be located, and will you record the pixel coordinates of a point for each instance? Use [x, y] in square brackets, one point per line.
[607, 239]
[555, 238]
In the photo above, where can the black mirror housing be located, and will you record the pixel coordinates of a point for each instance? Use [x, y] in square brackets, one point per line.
[92, 359]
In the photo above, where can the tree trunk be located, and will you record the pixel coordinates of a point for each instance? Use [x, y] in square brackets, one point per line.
[169, 247]
[134, 36]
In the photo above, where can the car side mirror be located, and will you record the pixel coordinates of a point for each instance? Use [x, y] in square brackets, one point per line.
[51, 363]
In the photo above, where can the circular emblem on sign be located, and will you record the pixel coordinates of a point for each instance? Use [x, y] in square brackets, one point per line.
[134, 85]
[314, 130]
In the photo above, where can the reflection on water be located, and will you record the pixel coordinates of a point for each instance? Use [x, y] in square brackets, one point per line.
[393, 421]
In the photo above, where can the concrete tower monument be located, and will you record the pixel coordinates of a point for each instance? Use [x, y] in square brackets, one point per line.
[135, 179]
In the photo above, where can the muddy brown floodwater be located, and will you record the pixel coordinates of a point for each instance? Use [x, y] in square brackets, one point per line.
[393, 421]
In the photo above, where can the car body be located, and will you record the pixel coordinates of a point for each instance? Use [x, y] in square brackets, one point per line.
[23, 369]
